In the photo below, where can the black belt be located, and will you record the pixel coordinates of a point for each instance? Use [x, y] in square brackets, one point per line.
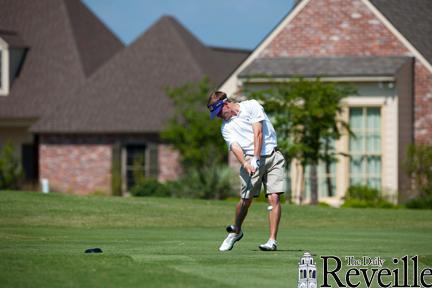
[263, 156]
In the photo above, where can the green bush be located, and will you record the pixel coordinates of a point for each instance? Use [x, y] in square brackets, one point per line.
[365, 197]
[355, 203]
[10, 169]
[424, 202]
[324, 204]
[362, 193]
[358, 203]
[418, 165]
[216, 182]
[150, 187]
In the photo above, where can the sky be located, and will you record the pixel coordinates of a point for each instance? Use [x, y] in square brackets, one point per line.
[224, 23]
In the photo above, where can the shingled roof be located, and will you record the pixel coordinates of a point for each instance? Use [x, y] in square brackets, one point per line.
[412, 18]
[368, 66]
[128, 94]
[66, 42]
[12, 39]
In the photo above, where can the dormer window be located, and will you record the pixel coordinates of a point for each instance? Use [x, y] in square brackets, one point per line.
[12, 54]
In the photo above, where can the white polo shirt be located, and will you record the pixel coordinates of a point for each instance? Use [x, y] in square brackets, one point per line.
[239, 129]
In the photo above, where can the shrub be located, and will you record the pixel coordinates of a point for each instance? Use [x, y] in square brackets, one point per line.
[146, 186]
[365, 197]
[324, 204]
[362, 193]
[10, 169]
[424, 202]
[216, 182]
[418, 164]
[355, 203]
[150, 187]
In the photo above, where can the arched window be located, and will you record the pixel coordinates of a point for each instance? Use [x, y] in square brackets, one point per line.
[304, 274]
[314, 274]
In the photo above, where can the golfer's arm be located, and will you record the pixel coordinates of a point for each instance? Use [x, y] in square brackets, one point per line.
[258, 138]
[238, 153]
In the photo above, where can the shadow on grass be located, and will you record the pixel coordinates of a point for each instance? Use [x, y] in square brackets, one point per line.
[280, 250]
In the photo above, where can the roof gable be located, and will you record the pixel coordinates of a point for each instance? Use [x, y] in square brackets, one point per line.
[58, 60]
[305, 28]
[412, 19]
[128, 94]
[90, 34]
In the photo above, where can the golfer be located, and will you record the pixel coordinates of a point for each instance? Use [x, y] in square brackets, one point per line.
[251, 137]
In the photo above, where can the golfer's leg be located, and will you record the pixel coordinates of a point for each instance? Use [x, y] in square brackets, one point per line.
[274, 214]
[241, 212]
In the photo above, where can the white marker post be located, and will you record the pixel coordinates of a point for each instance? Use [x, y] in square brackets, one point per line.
[45, 185]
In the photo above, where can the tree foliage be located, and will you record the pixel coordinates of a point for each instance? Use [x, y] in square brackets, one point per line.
[10, 169]
[190, 129]
[199, 141]
[306, 117]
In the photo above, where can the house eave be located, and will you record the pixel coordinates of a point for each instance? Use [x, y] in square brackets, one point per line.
[281, 79]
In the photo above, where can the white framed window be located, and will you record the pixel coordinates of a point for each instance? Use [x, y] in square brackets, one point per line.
[4, 68]
[365, 148]
[324, 178]
[1, 68]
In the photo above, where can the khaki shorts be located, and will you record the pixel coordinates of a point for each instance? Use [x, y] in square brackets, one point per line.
[271, 173]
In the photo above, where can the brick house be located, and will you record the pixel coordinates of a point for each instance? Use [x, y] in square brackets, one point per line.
[384, 48]
[77, 104]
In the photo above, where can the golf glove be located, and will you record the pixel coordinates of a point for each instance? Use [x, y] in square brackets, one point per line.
[255, 163]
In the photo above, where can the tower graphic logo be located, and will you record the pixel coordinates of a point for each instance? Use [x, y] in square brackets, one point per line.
[307, 272]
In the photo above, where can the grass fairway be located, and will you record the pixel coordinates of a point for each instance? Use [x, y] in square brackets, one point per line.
[161, 242]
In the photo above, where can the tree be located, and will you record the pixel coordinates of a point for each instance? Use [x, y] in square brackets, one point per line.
[305, 116]
[190, 129]
[199, 141]
[10, 169]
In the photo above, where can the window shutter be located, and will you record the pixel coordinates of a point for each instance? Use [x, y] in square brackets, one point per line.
[116, 178]
[153, 160]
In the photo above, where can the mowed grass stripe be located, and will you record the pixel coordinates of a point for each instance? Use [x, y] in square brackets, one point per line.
[163, 242]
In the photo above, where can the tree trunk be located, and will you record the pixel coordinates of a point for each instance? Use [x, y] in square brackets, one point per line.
[298, 183]
[328, 178]
[314, 184]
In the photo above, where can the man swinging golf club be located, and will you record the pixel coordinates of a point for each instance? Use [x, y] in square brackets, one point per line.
[251, 137]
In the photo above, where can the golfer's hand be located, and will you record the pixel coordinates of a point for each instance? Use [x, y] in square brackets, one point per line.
[249, 169]
[255, 163]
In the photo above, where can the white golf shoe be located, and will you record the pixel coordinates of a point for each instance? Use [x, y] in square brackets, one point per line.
[271, 245]
[229, 241]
